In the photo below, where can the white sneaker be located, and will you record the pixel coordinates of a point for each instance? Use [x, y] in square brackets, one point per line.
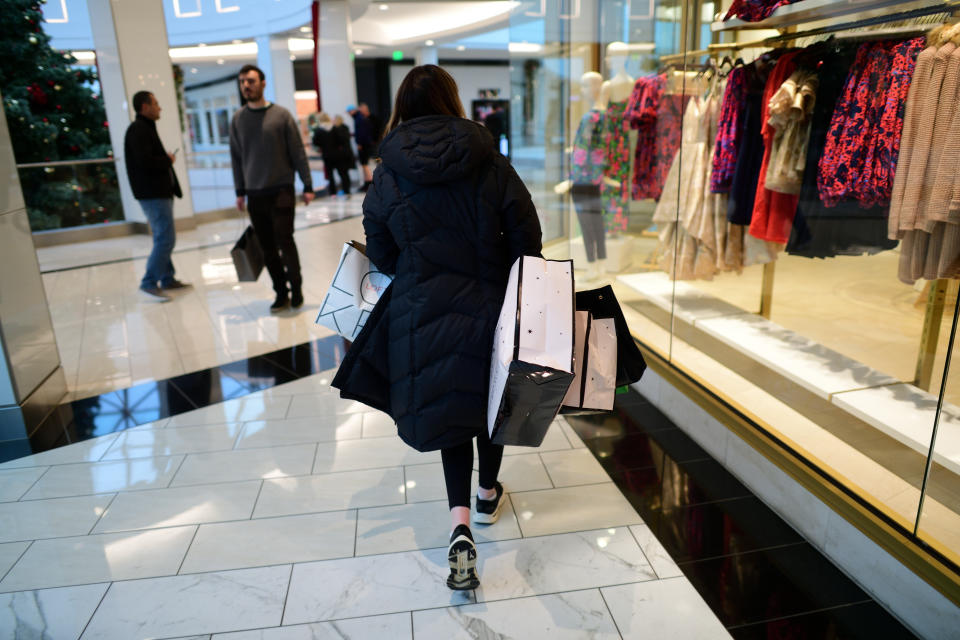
[488, 511]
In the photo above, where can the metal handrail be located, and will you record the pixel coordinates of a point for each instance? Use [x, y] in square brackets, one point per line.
[64, 163]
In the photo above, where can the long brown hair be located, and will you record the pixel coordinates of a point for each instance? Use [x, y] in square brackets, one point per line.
[427, 90]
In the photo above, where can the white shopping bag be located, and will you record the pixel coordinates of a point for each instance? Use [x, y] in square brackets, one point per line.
[532, 363]
[354, 291]
[595, 358]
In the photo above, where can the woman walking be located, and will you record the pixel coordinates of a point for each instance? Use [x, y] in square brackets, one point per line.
[332, 139]
[448, 216]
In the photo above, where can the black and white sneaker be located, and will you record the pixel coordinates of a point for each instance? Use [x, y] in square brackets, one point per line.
[462, 555]
[488, 511]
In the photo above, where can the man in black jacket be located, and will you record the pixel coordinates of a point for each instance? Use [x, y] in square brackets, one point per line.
[150, 171]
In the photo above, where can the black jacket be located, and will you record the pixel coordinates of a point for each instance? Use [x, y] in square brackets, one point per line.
[334, 146]
[449, 218]
[148, 168]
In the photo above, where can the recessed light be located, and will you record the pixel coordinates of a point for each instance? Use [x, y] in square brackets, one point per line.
[293, 57]
[236, 41]
[193, 69]
[384, 7]
[201, 44]
[220, 61]
[461, 48]
[429, 43]
[305, 29]
[359, 52]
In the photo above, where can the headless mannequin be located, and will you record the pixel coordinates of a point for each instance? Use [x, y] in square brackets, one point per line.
[585, 192]
[620, 86]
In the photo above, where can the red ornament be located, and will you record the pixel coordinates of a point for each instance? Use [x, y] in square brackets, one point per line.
[105, 124]
[37, 94]
[59, 108]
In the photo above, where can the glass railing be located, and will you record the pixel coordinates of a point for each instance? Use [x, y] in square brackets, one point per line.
[70, 193]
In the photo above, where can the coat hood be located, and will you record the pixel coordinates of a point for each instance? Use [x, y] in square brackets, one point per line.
[436, 149]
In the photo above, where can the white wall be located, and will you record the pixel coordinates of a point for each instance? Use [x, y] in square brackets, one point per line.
[470, 79]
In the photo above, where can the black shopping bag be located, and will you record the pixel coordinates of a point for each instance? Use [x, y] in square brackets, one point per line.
[601, 303]
[247, 256]
[532, 364]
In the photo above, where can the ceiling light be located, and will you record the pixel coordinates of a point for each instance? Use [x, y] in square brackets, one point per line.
[201, 44]
[461, 48]
[193, 69]
[84, 56]
[359, 52]
[292, 57]
[384, 7]
[220, 61]
[305, 29]
[430, 43]
[524, 47]
[236, 41]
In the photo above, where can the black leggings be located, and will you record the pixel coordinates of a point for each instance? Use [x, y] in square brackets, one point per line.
[589, 206]
[458, 467]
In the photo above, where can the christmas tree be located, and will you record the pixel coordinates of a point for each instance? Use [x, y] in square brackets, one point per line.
[54, 113]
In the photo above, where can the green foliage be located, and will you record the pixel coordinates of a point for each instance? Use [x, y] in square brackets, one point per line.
[53, 113]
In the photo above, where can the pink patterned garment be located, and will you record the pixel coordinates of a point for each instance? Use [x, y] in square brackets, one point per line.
[729, 131]
[755, 10]
[657, 117]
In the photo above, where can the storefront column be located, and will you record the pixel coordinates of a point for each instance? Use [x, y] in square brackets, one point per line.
[130, 38]
[31, 379]
[427, 55]
[335, 71]
[273, 56]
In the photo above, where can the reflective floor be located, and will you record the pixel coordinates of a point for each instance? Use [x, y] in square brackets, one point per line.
[109, 337]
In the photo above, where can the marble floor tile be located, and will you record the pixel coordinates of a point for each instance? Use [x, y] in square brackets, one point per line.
[422, 525]
[395, 626]
[99, 558]
[271, 541]
[573, 467]
[312, 385]
[377, 425]
[669, 608]
[105, 477]
[15, 482]
[51, 518]
[575, 441]
[553, 441]
[369, 453]
[85, 451]
[584, 560]
[371, 585]
[321, 404]
[238, 410]
[249, 464]
[564, 616]
[656, 555]
[330, 492]
[191, 604]
[180, 506]
[572, 509]
[57, 614]
[10, 552]
[272, 433]
[142, 443]
[517, 473]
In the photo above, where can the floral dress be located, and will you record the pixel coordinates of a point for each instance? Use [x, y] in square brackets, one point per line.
[615, 198]
[729, 132]
[590, 156]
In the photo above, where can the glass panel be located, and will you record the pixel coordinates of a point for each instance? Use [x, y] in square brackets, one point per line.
[742, 199]
[72, 194]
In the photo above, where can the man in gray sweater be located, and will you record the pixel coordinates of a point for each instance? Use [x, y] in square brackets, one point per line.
[266, 148]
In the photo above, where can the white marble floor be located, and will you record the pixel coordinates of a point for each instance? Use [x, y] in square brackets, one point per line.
[109, 337]
[255, 520]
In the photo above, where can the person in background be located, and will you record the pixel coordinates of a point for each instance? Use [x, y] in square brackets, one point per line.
[376, 127]
[449, 218]
[154, 184]
[363, 135]
[344, 158]
[333, 142]
[496, 122]
[265, 149]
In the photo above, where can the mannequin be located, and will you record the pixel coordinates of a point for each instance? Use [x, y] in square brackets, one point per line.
[618, 90]
[589, 164]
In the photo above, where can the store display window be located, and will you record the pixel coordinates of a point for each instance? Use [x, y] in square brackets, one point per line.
[773, 189]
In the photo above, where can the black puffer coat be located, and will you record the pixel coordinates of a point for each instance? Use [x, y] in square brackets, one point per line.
[449, 218]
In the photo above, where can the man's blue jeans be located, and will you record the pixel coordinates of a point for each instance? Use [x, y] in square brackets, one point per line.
[159, 212]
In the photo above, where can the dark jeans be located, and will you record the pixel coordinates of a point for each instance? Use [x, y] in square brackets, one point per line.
[458, 467]
[159, 212]
[272, 219]
[344, 179]
[589, 206]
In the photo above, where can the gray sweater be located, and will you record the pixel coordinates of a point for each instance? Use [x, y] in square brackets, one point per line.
[265, 148]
